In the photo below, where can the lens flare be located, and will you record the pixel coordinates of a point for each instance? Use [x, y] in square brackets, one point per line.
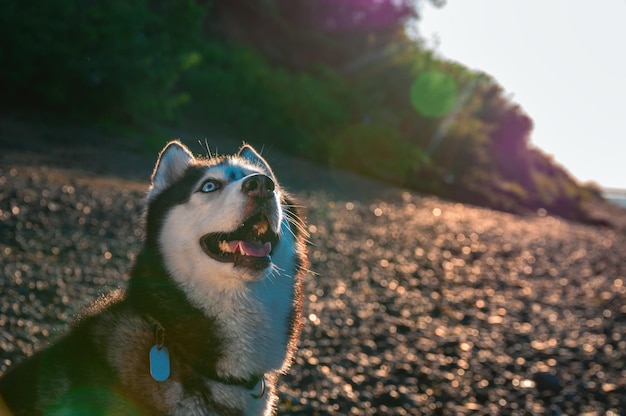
[433, 94]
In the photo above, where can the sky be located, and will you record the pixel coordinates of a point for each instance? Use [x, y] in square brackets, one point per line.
[562, 61]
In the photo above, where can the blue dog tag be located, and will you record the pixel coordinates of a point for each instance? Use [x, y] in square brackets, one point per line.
[159, 363]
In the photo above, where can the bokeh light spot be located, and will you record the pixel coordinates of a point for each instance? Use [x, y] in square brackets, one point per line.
[433, 94]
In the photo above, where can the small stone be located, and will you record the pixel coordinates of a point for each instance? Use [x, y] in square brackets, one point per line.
[547, 382]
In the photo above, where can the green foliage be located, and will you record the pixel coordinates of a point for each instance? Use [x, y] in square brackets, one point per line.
[117, 59]
[234, 90]
[547, 189]
[514, 189]
[375, 150]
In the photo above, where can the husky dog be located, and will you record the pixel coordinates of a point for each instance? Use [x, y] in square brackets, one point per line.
[212, 312]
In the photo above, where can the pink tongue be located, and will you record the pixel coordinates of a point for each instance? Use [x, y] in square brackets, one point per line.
[250, 248]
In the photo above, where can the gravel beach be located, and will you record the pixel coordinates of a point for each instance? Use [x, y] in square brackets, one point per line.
[414, 305]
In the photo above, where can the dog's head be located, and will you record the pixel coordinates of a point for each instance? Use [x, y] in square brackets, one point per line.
[221, 220]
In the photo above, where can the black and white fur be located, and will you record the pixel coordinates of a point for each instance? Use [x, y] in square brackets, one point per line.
[230, 321]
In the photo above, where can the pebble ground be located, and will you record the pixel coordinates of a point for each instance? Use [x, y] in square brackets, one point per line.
[414, 305]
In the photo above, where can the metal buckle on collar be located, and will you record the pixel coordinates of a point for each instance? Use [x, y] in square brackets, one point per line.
[262, 393]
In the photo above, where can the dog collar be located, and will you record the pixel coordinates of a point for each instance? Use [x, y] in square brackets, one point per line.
[160, 365]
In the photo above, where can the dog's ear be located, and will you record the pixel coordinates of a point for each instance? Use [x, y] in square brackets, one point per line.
[171, 165]
[247, 152]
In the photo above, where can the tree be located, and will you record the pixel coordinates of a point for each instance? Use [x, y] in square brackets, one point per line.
[300, 34]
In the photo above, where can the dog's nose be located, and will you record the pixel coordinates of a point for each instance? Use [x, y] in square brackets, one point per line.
[258, 185]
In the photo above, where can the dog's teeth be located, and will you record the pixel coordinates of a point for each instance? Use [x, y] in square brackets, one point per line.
[224, 247]
[260, 227]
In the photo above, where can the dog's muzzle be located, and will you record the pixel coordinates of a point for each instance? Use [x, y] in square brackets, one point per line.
[252, 244]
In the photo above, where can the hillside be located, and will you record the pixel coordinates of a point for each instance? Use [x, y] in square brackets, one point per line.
[338, 82]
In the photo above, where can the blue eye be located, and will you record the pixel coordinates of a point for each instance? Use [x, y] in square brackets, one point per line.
[210, 185]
